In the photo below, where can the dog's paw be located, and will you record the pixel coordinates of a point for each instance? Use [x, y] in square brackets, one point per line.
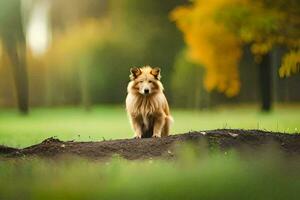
[156, 136]
[137, 137]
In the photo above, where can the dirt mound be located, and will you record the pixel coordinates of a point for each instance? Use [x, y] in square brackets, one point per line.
[160, 147]
[7, 150]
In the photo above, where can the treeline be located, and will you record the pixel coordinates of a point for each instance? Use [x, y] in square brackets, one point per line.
[95, 42]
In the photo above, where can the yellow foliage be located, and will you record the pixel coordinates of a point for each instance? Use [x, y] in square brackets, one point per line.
[290, 64]
[211, 44]
[216, 30]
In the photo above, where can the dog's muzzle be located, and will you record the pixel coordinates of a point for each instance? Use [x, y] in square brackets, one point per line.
[146, 91]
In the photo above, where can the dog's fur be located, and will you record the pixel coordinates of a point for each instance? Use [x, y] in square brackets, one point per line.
[146, 104]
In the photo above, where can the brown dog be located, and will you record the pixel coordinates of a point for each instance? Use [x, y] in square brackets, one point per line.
[146, 104]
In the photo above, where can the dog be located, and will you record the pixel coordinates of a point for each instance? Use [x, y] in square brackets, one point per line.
[146, 104]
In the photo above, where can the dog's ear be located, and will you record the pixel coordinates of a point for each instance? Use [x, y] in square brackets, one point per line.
[134, 73]
[156, 73]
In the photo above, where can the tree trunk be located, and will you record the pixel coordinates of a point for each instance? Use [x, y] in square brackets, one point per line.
[84, 83]
[265, 79]
[198, 85]
[17, 58]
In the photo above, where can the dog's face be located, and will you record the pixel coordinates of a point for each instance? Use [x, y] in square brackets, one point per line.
[146, 80]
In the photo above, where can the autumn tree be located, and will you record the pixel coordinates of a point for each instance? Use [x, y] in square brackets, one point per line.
[215, 32]
[13, 39]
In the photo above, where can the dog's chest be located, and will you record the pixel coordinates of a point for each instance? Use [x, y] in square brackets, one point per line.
[144, 109]
[142, 106]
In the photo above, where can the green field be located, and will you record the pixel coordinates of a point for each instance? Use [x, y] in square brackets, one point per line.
[110, 122]
[204, 176]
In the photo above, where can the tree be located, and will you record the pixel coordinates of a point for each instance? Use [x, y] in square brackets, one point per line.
[13, 39]
[183, 94]
[145, 26]
[72, 49]
[216, 32]
[76, 31]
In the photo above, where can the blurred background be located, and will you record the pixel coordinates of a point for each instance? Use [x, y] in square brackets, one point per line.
[65, 64]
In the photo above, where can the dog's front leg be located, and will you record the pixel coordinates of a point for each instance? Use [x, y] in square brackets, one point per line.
[158, 124]
[137, 126]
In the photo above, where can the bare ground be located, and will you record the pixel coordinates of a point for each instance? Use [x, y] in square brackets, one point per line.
[132, 149]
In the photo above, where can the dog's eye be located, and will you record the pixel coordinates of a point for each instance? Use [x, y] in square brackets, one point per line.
[149, 81]
[140, 81]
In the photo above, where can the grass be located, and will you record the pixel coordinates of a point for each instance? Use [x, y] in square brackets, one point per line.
[110, 122]
[192, 176]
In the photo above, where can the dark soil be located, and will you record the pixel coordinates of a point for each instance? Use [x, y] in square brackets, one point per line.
[132, 149]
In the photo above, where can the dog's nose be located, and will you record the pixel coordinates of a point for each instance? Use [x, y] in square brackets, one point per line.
[146, 91]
